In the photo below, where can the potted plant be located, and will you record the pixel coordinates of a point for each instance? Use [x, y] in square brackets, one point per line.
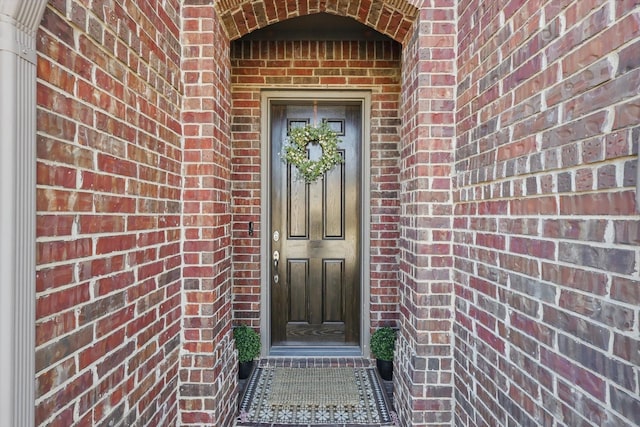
[383, 342]
[248, 345]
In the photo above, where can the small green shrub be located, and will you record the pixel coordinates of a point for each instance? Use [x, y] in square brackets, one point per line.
[247, 342]
[383, 343]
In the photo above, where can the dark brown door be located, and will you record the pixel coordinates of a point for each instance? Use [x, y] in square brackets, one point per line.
[315, 230]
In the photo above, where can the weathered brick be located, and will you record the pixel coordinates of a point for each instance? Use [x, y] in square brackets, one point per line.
[577, 406]
[607, 177]
[540, 332]
[82, 97]
[585, 79]
[617, 144]
[627, 348]
[538, 248]
[613, 203]
[575, 326]
[597, 361]
[626, 404]
[55, 326]
[576, 375]
[601, 96]
[626, 290]
[574, 229]
[575, 278]
[69, 392]
[606, 259]
[62, 348]
[99, 308]
[626, 232]
[613, 315]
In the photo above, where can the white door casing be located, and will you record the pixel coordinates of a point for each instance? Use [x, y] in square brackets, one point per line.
[269, 96]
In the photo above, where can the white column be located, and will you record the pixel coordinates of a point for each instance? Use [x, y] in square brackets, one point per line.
[19, 20]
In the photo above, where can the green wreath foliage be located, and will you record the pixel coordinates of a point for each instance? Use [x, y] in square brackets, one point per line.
[295, 152]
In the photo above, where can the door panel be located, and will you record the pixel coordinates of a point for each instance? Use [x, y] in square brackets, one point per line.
[333, 277]
[333, 203]
[297, 209]
[298, 274]
[315, 286]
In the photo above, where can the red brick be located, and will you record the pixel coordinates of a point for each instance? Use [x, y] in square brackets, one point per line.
[588, 281]
[626, 290]
[54, 225]
[559, 167]
[55, 326]
[581, 129]
[576, 375]
[610, 39]
[71, 157]
[63, 347]
[618, 203]
[536, 248]
[534, 206]
[616, 145]
[627, 114]
[134, 136]
[627, 348]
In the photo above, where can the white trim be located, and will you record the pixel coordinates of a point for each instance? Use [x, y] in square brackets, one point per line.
[19, 22]
[267, 97]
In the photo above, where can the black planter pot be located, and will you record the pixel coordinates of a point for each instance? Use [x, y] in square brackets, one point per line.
[385, 368]
[244, 369]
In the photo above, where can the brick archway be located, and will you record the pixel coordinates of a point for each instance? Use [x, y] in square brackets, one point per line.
[393, 18]
[221, 122]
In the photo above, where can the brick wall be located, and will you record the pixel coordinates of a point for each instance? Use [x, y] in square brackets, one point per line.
[423, 365]
[108, 236]
[546, 234]
[536, 238]
[372, 66]
[208, 361]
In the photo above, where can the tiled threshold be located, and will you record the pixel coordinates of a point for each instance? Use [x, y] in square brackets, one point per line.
[315, 351]
[316, 362]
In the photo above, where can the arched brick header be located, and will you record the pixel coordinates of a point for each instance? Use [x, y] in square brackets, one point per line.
[393, 18]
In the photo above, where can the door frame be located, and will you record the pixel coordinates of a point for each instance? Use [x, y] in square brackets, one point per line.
[266, 99]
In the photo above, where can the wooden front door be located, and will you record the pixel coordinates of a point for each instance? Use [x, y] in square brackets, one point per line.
[315, 230]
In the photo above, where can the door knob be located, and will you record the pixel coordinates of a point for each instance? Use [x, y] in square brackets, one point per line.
[276, 259]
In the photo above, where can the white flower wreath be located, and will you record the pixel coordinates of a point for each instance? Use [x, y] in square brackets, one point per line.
[295, 152]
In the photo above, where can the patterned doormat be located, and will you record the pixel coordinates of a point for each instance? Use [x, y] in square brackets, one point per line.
[314, 396]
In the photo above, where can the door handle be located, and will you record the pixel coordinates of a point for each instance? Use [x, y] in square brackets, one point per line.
[276, 260]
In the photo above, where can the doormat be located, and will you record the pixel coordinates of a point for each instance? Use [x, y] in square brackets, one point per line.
[320, 386]
[314, 396]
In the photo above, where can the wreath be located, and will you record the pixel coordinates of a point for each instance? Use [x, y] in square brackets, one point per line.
[295, 152]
